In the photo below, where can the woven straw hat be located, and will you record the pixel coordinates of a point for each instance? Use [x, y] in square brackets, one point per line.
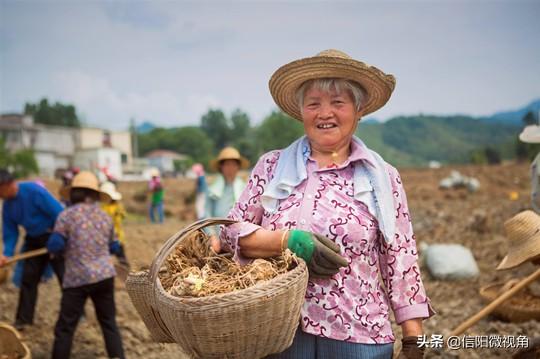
[229, 153]
[88, 180]
[110, 189]
[530, 134]
[523, 233]
[284, 83]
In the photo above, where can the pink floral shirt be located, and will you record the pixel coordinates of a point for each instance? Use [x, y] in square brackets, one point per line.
[352, 305]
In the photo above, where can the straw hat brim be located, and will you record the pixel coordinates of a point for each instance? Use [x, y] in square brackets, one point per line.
[214, 164]
[287, 79]
[114, 195]
[521, 253]
[103, 197]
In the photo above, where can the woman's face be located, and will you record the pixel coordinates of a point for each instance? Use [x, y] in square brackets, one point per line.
[330, 118]
[229, 169]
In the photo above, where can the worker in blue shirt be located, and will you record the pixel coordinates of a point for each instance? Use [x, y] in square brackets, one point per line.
[31, 206]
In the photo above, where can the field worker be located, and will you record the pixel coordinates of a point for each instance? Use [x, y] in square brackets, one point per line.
[116, 210]
[531, 134]
[227, 186]
[85, 235]
[200, 190]
[31, 206]
[523, 233]
[66, 179]
[155, 186]
[339, 206]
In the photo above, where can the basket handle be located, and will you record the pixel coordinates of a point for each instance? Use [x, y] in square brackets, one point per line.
[171, 243]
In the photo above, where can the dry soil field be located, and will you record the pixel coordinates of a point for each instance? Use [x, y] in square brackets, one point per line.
[452, 216]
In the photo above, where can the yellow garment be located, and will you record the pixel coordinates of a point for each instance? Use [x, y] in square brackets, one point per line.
[118, 213]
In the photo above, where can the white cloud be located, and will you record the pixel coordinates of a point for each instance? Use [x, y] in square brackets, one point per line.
[168, 62]
[104, 105]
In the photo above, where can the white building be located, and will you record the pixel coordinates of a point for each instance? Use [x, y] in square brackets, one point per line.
[101, 160]
[57, 147]
[164, 160]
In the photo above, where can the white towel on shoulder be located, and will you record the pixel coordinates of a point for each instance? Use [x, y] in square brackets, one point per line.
[372, 184]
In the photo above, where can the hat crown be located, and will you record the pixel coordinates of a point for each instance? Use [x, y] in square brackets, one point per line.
[85, 179]
[229, 153]
[333, 53]
[110, 189]
[522, 226]
[330, 63]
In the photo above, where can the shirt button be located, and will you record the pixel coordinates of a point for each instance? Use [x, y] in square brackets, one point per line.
[302, 221]
[309, 196]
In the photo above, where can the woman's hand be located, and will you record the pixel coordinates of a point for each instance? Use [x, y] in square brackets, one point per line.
[321, 254]
[3, 260]
[410, 349]
[411, 329]
[215, 244]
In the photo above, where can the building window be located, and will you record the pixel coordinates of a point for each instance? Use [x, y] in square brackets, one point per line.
[106, 139]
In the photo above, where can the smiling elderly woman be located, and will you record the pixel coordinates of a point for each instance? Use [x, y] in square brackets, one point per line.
[340, 207]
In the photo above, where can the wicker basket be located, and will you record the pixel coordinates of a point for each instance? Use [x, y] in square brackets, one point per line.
[247, 323]
[11, 345]
[517, 309]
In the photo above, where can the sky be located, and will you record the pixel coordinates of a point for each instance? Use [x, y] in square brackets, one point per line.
[168, 62]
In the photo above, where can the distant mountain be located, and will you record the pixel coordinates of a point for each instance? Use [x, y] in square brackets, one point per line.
[416, 140]
[370, 120]
[145, 127]
[514, 117]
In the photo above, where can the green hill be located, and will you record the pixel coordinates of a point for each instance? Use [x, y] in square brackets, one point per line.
[416, 140]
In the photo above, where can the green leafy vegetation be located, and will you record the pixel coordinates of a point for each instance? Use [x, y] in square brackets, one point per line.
[402, 141]
[22, 163]
[49, 114]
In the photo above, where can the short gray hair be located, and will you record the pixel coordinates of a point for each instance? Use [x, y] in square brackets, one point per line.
[329, 84]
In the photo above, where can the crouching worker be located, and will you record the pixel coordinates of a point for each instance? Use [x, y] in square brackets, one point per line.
[84, 234]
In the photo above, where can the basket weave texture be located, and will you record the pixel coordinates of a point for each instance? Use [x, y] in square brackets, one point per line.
[247, 323]
[514, 309]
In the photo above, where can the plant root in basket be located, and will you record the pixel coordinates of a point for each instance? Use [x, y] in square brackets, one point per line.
[194, 270]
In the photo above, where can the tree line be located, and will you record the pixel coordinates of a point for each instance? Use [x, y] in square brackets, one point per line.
[403, 141]
[217, 130]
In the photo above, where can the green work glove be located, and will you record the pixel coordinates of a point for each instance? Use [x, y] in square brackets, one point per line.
[321, 254]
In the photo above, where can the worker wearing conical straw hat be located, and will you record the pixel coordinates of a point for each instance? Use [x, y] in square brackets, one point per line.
[227, 186]
[523, 234]
[341, 208]
[84, 234]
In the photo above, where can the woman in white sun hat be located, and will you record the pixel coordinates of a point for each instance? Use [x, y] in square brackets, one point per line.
[339, 206]
[223, 193]
[115, 209]
[531, 134]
